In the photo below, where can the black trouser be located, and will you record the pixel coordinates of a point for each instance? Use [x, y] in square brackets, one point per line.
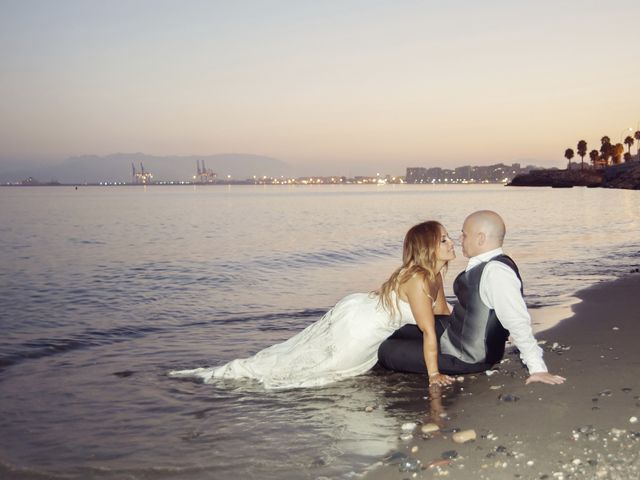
[403, 352]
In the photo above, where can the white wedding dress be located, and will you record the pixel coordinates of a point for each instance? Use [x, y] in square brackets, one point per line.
[343, 343]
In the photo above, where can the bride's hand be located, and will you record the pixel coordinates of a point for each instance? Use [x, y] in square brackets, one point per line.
[440, 379]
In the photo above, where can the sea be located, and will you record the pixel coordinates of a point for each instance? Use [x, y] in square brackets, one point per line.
[103, 290]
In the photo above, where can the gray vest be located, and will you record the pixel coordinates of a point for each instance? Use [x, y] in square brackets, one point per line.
[473, 333]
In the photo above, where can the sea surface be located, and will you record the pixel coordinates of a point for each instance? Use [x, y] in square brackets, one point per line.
[103, 290]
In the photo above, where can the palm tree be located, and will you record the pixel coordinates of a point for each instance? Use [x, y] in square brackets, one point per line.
[606, 149]
[582, 151]
[637, 137]
[568, 154]
[628, 142]
[594, 155]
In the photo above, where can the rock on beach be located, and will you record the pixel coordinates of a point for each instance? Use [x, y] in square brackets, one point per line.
[464, 436]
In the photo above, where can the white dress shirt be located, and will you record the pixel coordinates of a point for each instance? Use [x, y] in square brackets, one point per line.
[500, 291]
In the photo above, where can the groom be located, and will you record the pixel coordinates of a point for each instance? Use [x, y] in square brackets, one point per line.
[490, 308]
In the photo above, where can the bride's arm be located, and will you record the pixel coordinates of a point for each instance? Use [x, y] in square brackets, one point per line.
[421, 307]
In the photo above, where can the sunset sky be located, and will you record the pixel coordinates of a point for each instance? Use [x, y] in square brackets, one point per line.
[324, 85]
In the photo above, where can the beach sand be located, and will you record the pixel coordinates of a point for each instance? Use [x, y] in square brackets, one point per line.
[583, 429]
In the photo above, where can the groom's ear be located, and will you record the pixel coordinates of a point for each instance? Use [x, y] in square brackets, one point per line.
[482, 237]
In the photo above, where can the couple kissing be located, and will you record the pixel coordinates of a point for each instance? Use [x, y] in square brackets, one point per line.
[406, 325]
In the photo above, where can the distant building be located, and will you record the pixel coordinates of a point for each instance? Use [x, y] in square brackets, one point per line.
[498, 173]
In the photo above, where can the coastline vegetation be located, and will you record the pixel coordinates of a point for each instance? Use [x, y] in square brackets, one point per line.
[609, 166]
[608, 153]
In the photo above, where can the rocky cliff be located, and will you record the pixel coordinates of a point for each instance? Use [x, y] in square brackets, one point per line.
[558, 178]
[626, 175]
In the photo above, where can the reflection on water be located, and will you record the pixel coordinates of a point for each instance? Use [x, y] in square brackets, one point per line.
[353, 436]
[233, 427]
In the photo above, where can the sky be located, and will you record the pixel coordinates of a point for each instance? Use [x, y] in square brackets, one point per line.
[327, 86]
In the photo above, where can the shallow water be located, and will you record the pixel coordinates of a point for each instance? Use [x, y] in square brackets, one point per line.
[103, 290]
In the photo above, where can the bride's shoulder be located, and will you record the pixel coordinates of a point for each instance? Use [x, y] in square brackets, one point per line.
[417, 284]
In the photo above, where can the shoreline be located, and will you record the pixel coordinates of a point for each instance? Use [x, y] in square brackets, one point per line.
[548, 317]
[585, 428]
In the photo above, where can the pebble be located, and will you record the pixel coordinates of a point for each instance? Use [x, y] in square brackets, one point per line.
[408, 427]
[508, 397]
[557, 348]
[410, 464]
[449, 454]
[414, 449]
[617, 432]
[490, 372]
[495, 387]
[368, 409]
[464, 436]
[633, 420]
[405, 437]
[429, 428]
[586, 429]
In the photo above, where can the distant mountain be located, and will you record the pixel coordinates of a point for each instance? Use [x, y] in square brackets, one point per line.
[117, 168]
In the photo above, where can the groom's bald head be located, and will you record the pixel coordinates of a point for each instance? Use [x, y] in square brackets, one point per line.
[482, 231]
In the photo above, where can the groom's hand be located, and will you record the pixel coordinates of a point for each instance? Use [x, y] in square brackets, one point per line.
[545, 377]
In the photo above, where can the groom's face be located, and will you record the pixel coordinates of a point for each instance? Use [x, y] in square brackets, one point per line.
[468, 240]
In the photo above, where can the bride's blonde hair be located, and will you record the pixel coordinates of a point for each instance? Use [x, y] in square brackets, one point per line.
[418, 258]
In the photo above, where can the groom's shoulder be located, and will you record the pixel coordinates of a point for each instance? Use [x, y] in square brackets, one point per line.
[503, 265]
[504, 259]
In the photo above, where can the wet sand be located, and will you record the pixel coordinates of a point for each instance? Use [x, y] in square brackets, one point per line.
[586, 428]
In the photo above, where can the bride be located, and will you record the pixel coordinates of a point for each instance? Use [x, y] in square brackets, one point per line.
[344, 342]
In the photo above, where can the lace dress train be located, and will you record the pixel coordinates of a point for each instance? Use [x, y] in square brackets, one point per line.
[343, 343]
